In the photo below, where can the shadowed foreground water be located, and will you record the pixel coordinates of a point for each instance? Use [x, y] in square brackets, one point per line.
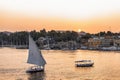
[60, 65]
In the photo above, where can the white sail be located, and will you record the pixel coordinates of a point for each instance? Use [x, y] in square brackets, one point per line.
[35, 56]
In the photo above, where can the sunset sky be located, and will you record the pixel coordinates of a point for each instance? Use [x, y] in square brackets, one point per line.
[87, 15]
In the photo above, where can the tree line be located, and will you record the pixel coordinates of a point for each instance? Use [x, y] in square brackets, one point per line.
[21, 38]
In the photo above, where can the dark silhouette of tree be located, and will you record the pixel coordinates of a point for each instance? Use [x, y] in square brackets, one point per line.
[43, 33]
[109, 33]
[21, 37]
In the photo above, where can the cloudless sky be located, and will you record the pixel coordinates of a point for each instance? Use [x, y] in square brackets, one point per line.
[88, 15]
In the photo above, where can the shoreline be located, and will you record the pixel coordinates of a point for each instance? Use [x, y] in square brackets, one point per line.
[64, 49]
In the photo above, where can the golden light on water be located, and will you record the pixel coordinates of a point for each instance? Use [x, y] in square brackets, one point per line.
[60, 65]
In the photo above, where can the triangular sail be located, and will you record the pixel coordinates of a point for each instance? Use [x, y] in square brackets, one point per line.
[35, 56]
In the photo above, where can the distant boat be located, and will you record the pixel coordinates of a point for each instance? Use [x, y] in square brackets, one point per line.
[21, 47]
[112, 48]
[35, 57]
[84, 63]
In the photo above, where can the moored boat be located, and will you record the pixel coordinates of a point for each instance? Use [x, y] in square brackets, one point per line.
[84, 63]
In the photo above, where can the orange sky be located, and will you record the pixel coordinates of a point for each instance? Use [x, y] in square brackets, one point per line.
[14, 22]
[94, 17]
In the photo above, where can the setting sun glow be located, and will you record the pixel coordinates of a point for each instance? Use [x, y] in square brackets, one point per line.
[92, 15]
[79, 30]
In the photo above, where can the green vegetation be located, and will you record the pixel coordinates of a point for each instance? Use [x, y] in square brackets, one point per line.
[21, 38]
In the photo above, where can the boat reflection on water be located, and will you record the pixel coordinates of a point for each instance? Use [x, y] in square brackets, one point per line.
[36, 76]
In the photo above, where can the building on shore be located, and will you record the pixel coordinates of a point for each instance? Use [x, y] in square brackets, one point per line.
[94, 43]
[104, 43]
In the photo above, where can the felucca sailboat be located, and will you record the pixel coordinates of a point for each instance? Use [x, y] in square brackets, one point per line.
[35, 57]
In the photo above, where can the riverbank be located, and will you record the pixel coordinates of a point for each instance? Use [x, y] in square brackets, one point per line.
[64, 49]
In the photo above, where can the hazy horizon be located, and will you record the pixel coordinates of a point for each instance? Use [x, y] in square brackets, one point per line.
[89, 16]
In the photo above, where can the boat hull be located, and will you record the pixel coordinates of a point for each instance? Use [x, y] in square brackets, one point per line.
[84, 65]
[34, 70]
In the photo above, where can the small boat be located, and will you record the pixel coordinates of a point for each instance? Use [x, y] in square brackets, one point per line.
[84, 63]
[35, 57]
[21, 47]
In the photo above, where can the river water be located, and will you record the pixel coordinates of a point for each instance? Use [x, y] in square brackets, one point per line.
[60, 65]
